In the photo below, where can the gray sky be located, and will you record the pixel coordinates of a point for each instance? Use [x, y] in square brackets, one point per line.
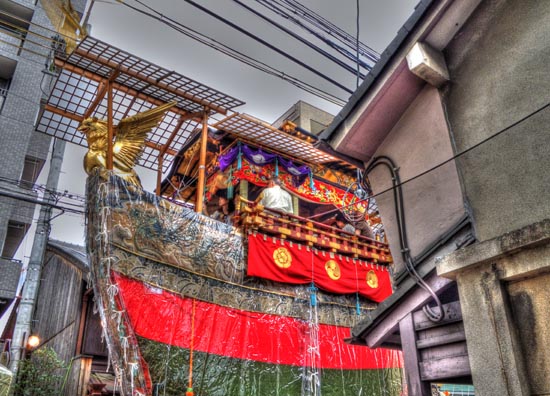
[266, 97]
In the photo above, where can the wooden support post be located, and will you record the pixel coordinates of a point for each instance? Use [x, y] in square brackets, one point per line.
[411, 357]
[78, 378]
[295, 205]
[109, 125]
[243, 189]
[101, 92]
[159, 172]
[202, 163]
[82, 323]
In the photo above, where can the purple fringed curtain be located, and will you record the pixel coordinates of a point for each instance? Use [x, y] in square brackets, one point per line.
[228, 158]
[299, 173]
[258, 157]
[261, 158]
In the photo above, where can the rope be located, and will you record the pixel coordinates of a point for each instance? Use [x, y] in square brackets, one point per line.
[189, 391]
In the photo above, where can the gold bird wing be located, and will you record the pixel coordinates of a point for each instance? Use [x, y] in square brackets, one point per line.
[131, 133]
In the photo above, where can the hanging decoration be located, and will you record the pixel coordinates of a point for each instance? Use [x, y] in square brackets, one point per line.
[230, 185]
[273, 259]
[257, 167]
[315, 191]
[261, 158]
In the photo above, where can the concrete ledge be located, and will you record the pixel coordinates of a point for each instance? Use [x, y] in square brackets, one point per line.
[528, 237]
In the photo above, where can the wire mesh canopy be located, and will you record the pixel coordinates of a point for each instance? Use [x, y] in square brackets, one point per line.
[250, 129]
[80, 91]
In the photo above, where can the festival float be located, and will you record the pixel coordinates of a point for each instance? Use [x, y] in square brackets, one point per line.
[258, 302]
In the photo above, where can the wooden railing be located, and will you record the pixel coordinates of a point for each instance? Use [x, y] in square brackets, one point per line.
[254, 217]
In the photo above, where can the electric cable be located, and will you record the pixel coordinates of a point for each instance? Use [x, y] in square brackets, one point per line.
[403, 241]
[457, 155]
[33, 24]
[268, 45]
[210, 42]
[271, 5]
[299, 38]
[330, 28]
[39, 202]
[35, 187]
[357, 41]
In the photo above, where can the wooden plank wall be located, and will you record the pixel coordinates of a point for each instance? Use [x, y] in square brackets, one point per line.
[58, 306]
[79, 376]
[434, 352]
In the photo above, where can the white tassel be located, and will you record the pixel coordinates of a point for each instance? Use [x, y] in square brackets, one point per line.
[124, 343]
[133, 367]
[112, 291]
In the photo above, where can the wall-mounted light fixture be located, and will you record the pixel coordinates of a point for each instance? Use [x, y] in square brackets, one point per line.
[33, 342]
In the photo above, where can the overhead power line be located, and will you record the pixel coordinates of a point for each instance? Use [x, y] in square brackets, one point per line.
[320, 27]
[269, 45]
[33, 200]
[454, 157]
[329, 56]
[357, 44]
[214, 44]
[332, 29]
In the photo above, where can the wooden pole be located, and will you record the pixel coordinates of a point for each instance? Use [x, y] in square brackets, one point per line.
[109, 125]
[202, 163]
[159, 172]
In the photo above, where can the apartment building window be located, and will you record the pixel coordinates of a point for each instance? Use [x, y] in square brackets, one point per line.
[14, 237]
[4, 87]
[14, 24]
[31, 170]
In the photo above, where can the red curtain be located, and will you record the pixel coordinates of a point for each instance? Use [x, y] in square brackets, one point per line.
[166, 317]
[288, 262]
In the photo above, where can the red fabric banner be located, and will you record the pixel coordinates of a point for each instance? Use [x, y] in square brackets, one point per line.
[322, 193]
[165, 317]
[283, 261]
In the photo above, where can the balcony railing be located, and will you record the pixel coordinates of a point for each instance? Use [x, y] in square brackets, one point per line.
[254, 217]
[11, 40]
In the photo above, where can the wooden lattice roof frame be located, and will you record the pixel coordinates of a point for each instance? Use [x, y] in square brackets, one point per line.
[252, 130]
[95, 71]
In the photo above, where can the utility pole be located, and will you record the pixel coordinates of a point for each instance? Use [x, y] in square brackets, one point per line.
[23, 324]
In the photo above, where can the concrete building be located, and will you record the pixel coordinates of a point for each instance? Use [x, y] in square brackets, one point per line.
[306, 116]
[25, 49]
[454, 118]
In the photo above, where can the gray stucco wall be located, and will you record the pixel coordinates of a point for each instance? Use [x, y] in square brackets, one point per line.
[432, 203]
[529, 301]
[499, 74]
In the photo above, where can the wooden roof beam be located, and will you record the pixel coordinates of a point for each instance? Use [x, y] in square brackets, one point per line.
[119, 87]
[63, 113]
[152, 81]
[172, 136]
[101, 92]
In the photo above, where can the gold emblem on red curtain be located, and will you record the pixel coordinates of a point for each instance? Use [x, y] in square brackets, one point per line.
[333, 269]
[372, 279]
[282, 257]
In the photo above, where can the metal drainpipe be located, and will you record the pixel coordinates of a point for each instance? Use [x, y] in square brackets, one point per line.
[23, 324]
